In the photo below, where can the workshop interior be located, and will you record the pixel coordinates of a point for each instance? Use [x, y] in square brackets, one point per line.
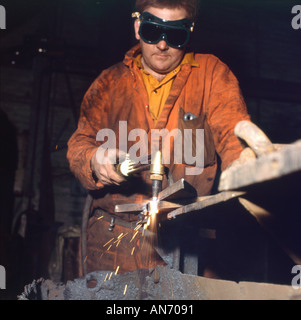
[51, 51]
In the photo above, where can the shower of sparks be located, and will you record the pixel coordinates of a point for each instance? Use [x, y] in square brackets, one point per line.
[141, 226]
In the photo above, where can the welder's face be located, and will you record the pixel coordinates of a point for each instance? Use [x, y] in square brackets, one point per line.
[160, 58]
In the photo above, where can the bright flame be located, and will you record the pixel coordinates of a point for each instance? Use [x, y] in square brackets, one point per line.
[153, 210]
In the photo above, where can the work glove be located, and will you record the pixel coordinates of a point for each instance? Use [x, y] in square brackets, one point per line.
[103, 165]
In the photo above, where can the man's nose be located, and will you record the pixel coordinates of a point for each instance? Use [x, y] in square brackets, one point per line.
[162, 45]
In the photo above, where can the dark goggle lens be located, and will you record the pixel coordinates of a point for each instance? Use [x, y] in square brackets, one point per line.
[177, 37]
[152, 33]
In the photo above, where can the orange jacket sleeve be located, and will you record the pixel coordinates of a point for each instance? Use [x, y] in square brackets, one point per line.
[82, 145]
[225, 109]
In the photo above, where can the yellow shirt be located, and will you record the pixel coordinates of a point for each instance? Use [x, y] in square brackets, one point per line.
[158, 91]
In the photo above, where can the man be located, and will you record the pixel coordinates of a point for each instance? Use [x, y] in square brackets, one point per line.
[160, 84]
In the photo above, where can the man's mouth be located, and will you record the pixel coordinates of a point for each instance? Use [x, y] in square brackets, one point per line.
[161, 55]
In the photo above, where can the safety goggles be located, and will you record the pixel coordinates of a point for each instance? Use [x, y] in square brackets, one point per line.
[176, 33]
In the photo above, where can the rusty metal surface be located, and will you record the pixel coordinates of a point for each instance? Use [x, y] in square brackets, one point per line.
[161, 283]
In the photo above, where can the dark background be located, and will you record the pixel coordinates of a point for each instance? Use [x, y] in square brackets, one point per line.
[51, 51]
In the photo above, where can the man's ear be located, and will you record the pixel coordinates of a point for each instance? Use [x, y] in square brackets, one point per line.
[136, 28]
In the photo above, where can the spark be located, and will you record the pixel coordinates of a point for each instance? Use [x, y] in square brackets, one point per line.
[121, 236]
[116, 270]
[125, 288]
[108, 242]
[109, 247]
[85, 259]
[137, 228]
[110, 275]
[117, 243]
[133, 251]
[99, 218]
[106, 277]
[124, 235]
[134, 235]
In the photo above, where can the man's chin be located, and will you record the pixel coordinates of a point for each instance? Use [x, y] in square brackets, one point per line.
[163, 70]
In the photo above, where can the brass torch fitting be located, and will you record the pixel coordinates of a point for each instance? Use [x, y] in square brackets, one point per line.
[157, 167]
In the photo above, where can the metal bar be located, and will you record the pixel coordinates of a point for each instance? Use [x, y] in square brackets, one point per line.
[139, 207]
[203, 202]
[182, 191]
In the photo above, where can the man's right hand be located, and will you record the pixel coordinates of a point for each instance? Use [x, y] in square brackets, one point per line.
[103, 165]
